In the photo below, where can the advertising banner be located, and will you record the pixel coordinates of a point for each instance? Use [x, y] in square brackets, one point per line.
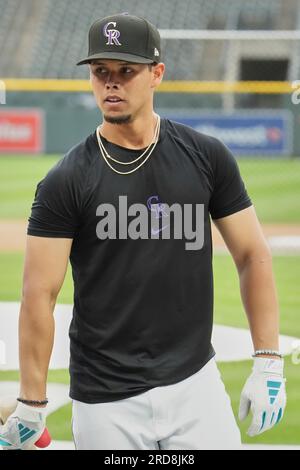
[21, 130]
[253, 133]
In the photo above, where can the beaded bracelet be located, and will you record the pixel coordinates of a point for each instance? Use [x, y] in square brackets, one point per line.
[267, 352]
[33, 402]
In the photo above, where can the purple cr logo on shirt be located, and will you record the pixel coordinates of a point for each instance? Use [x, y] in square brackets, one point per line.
[156, 207]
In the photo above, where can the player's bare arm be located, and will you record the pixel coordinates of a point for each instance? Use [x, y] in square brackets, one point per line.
[264, 391]
[23, 420]
[248, 247]
[46, 263]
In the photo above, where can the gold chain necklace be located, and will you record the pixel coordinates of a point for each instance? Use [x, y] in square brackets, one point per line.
[106, 156]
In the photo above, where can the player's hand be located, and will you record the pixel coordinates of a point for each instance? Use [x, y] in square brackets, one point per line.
[264, 392]
[23, 428]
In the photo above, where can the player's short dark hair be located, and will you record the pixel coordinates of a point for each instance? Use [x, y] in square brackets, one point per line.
[151, 65]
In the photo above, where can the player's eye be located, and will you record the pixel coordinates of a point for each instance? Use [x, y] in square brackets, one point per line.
[126, 70]
[100, 71]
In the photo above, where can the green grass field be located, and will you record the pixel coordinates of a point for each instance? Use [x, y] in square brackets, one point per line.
[273, 184]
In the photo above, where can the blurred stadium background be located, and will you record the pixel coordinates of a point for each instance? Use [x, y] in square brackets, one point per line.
[231, 71]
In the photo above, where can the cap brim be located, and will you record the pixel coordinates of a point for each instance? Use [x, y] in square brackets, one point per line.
[116, 56]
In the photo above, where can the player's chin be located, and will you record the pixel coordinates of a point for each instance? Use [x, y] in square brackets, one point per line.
[117, 118]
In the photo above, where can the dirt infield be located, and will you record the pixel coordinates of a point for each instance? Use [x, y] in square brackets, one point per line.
[13, 234]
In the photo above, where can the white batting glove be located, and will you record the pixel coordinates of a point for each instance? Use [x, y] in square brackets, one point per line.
[23, 428]
[264, 392]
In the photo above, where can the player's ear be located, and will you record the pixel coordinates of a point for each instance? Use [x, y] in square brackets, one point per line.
[158, 71]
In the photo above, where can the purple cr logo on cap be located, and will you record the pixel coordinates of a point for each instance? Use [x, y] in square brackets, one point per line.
[112, 34]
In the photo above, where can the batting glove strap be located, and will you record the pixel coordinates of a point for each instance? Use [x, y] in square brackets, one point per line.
[30, 413]
[268, 366]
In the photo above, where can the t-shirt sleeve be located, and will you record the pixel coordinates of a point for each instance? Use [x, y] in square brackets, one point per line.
[229, 194]
[55, 211]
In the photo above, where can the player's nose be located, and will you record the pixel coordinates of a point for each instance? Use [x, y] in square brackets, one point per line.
[112, 79]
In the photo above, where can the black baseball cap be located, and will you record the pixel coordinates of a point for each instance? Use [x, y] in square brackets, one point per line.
[123, 37]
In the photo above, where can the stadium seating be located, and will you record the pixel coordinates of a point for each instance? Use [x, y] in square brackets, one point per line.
[45, 38]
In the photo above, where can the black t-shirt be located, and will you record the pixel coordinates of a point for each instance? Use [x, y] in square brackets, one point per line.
[143, 297]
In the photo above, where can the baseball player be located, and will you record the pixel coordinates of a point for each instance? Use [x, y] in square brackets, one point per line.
[131, 208]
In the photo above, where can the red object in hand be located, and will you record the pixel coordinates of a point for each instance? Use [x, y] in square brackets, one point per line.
[44, 440]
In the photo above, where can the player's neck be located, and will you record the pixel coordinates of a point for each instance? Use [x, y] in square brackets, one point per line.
[136, 135]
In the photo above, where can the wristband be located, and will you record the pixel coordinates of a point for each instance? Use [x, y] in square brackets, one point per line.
[267, 352]
[33, 402]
